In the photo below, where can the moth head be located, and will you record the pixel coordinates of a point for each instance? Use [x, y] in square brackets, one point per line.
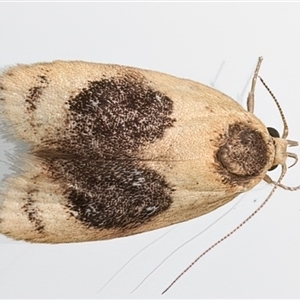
[281, 144]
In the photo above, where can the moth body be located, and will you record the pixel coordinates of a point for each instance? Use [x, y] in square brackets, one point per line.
[116, 151]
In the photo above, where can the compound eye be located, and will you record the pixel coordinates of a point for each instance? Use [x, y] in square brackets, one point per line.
[273, 168]
[273, 132]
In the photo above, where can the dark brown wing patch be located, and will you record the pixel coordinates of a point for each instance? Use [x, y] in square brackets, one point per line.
[97, 158]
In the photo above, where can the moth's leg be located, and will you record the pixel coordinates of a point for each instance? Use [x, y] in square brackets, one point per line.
[250, 99]
[269, 180]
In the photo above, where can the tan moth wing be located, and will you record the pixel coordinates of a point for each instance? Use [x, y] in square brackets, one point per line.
[116, 151]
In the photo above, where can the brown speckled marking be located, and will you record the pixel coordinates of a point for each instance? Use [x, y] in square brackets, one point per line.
[35, 93]
[31, 211]
[109, 121]
[243, 154]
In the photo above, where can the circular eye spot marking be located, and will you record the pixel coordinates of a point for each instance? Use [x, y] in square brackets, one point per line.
[244, 152]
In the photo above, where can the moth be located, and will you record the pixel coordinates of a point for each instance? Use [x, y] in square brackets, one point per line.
[115, 151]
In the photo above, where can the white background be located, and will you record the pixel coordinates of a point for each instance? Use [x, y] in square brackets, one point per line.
[190, 40]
